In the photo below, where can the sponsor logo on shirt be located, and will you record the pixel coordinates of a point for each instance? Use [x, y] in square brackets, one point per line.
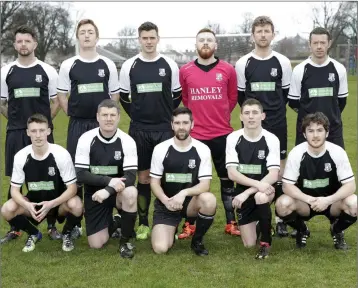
[320, 92]
[26, 92]
[178, 177]
[101, 73]
[41, 186]
[117, 155]
[318, 183]
[162, 72]
[327, 167]
[104, 170]
[249, 169]
[206, 93]
[51, 171]
[90, 88]
[149, 87]
[263, 86]
[38, 78]
[191, 163]
[331, 77]
[273, 72]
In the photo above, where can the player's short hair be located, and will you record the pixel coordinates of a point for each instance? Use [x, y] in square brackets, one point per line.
[206, 30]
[262, 21]
[108, 103]
[251, 102]
[24, 29]
[182, 110]
[318, 117]
[84, 22]
[37, 118]
[320, 31]
[147, 26]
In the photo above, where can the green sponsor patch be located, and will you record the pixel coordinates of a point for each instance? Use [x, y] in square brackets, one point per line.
[26, 92]
[318, 183]
[90, 88]
[249, 169]
[41, 186]
[263, 86]
[178, 178]
[104, 170]
[149, 87]
[320, 92]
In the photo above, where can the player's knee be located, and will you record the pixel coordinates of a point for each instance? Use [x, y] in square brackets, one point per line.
[8, 209]
[95, 244]
[351, 203]
[282, 205]
[207, 200]
[249, 243]
[261, 198]
[160, 248]
[75, 205]
[130, 195]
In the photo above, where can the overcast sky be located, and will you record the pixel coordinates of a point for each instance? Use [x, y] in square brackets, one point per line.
[186, 18]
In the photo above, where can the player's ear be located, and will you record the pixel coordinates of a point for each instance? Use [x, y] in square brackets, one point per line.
[192, 124]
[28, 132]
[304, 135]
[327, 133]
[241, 117]
[48, 131]
[263, 116]
[97, 117]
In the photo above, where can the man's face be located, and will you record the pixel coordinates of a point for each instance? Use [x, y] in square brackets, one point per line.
[319, 45]
[148, 41]
[24, 44]
[315, 135]
[108, 119]
[87, 36]
[206, 45]
[182, 126]
[263, 35]
[252, 116]
[38, 133]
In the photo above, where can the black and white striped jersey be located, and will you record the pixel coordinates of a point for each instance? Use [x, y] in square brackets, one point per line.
[106, 158]
[45, 178]
[252, 157]
[318, 175]
[28, 90]
[180, 168]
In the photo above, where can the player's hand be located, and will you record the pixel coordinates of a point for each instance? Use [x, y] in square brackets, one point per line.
[100, 195]
[168, 205]
[46, 207]
[117, 184]
[239, 199]
[177, 201]
[30, 206]
[265, 187]
[320, 204]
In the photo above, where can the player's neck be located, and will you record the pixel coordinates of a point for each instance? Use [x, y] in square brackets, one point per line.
[182, 143]
[88, 54]
[263, 52]
[206, 62]
[253, 133]
[26, 60]
[149, 56]
[107, 134]
[316, 151]
[39, 152]
[319, 61]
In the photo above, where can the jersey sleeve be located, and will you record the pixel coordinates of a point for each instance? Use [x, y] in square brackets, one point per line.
[184, 86]
[113, 83]
[52, 84]
[130, 161]
[343, 82]
[292, 168]
[344, 168]
[286, 73]
[232, 88]
[240, 74]
[273, 157]
[231, 157]
[295, 84]
[64, 83]
[205, 168]
[156, 166]
[175, 76]
[65, 166]
[82, 158]
[18, 174]
[124, 80]
[4, 87]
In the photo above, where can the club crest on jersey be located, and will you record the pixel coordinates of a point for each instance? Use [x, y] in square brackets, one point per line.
[331, 77]
[117, 155]
[273, 72]
[261, 154]
[219, 76]
[101, 73]
[51, 171]
[327, 167]
[191, 163]
[38, 78]
[162, 72]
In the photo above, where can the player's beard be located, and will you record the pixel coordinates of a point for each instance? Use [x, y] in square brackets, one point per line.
[205, 53]
[25, 53]
[316, 146]
[180, 136]
[260, 45]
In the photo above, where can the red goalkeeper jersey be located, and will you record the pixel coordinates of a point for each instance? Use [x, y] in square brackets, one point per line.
[210, 92]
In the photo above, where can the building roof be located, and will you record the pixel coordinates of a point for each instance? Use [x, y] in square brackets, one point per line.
[113, 56]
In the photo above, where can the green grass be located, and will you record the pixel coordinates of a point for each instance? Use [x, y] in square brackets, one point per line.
[229, 263]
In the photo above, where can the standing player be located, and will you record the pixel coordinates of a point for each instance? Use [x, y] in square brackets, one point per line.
[319, 84]
[28, 86]
[49, 175]
[152, 80]
[265, 75]
[318, 180]
[181, 173]
[210, 92]
[253, 162]
[106, 163]
[89, 78]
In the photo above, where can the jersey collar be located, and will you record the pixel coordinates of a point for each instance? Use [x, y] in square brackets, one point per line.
[29, 66]
[140, 56]
[113, 139]
[43, 157]
[180, 149]
[250, 139]
[260, 58]
[88, 61]
[325, 63]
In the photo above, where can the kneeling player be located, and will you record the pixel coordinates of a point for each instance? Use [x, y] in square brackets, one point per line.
[253, 162]
[106, 163]
[318, 180]
[48, 172]
[180, 179]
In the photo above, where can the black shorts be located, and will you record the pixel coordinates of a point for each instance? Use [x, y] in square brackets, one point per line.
[53, 212]
[313, 213]
[76, 127]
[98, 215]
[217, 147]
[146, 141]
[331, 138]
[281, 134]
[162, 215]
[248, 212]
[15, 141]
